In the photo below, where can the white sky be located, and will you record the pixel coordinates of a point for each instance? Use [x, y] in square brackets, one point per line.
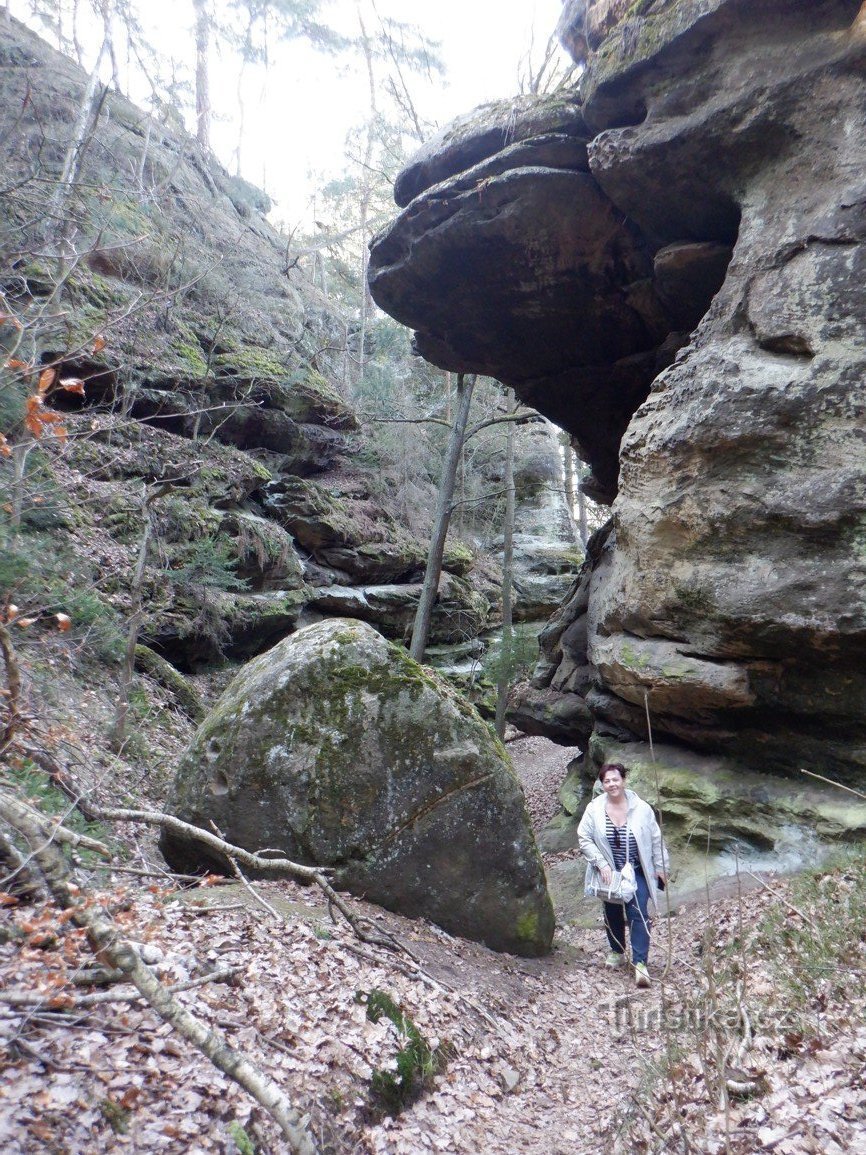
[295, 131]
[482, 43]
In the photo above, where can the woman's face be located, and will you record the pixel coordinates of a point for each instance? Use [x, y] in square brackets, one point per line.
[613, 784]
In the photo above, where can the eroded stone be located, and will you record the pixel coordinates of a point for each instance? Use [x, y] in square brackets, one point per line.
[339, 750]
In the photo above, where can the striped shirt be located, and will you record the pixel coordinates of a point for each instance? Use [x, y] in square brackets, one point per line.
[616, 841]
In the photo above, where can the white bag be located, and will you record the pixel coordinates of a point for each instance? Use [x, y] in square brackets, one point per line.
[622, 887]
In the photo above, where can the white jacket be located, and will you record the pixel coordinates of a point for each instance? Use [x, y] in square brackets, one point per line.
[595, 848]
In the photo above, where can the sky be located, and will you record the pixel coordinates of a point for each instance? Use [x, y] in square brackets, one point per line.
[482, 44]
[296, 121]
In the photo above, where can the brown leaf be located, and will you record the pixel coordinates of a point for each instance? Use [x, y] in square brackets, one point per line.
[46, 380]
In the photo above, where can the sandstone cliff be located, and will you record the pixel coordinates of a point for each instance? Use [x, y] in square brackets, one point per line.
[211, 372]
[669, 262]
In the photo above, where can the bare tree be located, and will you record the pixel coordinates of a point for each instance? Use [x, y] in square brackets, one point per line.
[502, 681]
[202, 72]
[430, 587]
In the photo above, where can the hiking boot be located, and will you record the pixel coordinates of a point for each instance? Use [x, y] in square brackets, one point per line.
[641, 975]
[614, 959]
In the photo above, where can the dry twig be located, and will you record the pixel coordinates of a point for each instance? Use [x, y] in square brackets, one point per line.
[105, 938]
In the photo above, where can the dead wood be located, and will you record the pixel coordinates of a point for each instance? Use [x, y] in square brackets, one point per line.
[106, 941]
[62, 1001]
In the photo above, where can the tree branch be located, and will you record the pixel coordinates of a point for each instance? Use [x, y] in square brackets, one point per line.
[105, 939]
[530, 418]
[62, 1001]
[212, 841]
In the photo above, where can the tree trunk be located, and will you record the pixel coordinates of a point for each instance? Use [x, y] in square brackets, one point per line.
[202, 81]
[568, 477]
[85, 122]
[364, 202]
[424, 614]
[12, 689]
[504, 678]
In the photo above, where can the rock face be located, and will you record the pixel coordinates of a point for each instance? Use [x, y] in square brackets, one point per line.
[195, 336]
[721, 232]
[339, 750]
[720, 816]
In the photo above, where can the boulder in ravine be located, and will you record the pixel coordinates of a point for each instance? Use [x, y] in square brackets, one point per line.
[337, 749]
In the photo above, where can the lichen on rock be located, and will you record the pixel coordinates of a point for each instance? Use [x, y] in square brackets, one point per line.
[338, 749]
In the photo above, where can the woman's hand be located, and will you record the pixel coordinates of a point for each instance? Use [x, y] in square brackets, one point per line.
[662, 877]
[606, 874]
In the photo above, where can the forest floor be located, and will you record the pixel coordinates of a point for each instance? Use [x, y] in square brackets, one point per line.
[735, 1047]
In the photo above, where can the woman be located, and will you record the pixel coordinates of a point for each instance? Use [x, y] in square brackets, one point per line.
[602, 838]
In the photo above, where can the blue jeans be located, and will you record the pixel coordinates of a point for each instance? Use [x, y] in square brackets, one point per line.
[615, 916]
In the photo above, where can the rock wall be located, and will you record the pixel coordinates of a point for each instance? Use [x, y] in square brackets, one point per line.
[688, 304]
[157, 280]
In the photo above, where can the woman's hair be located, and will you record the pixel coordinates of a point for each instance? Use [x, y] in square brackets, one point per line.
[611, 766]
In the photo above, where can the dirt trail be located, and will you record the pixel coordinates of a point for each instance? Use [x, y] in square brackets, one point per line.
[541, 1053]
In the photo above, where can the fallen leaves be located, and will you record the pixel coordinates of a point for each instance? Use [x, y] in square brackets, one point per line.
[571, 1044]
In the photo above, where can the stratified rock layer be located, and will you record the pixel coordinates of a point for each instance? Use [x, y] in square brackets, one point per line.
[727, 599]
[518, 266]
[339, 750]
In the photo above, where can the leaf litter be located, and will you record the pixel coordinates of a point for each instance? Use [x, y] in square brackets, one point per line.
[555, 1056]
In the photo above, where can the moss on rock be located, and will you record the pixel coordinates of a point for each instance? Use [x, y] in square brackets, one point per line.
[339, 749]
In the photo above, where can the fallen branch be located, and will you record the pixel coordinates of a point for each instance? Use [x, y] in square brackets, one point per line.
[237, 855]
[105, 939]
[167, 876]
[258, 898]
[831, 782]
[63, 1001]
[794, 909]
[212, 841]
[67, 837]
[18, 880]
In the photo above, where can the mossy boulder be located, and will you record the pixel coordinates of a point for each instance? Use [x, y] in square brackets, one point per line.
[338, 749]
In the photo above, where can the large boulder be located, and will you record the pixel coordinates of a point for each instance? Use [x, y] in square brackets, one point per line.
[338, 749]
